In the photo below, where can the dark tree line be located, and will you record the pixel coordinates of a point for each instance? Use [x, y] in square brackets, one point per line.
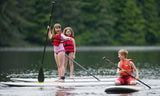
[95, 22]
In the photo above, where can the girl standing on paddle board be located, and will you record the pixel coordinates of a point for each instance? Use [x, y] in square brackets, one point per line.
[128, 66]
[70, 49]
[57, 38]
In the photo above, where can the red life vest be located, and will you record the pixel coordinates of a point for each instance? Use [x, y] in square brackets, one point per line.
[126, 66]
[56, 40]
[68, 45]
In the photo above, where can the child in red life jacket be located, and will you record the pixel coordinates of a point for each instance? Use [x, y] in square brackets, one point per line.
[70, 48]
[57, 38]
[128, 66]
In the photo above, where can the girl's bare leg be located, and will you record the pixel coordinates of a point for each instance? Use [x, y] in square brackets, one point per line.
[66, 62]
[58, 66]
[61, 60]
[71, 65]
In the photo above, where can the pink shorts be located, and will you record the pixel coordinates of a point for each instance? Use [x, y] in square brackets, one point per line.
[59, 48]
[125, 80]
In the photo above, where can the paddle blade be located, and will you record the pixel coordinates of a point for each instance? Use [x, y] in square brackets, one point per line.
[41, 75]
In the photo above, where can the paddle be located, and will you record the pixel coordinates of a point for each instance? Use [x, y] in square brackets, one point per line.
[81, 67]
[104, 58]
[41, 73]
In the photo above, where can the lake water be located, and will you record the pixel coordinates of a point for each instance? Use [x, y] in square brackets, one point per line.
[25, 63]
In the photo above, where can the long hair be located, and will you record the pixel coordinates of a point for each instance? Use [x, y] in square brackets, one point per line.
[68, 28]
[54, 33]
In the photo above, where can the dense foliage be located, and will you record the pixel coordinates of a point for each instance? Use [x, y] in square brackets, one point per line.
[95, 22]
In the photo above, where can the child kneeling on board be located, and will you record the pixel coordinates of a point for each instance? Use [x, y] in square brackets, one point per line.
[128, 66]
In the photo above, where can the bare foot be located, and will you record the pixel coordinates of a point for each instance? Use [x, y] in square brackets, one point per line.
[57, 80]
[61, 80]
[71, 77]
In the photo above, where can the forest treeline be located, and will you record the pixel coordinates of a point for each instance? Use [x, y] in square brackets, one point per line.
[95, 22]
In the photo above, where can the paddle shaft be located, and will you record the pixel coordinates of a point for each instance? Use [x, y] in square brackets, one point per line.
[49, 24]
[125, 72]
[81, 67]
[41, 74]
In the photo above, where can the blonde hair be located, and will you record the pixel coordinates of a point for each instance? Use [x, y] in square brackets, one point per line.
[54, 32]
[123, 52]
[68, 28]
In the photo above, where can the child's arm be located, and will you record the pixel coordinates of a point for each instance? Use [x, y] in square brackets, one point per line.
[49, 32]
[67, 38]
[74, 54]
[135, 69]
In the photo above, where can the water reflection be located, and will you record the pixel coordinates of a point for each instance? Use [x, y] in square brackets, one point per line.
[62, 91]
[132, 94]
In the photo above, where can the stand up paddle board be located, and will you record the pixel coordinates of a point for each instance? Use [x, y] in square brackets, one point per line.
[66, 80]
[123, 89]
[52, 84]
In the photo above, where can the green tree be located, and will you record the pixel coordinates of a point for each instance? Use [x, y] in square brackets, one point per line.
[150, 14]
[129, 23]
[40, 16]
[95, 22]
[90, 20]
[13, 22]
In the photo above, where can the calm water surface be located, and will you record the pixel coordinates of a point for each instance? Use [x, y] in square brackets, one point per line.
[25, 63]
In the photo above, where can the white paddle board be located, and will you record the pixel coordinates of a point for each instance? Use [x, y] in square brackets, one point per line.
[123, 89]
[66, 80]
[52, 84]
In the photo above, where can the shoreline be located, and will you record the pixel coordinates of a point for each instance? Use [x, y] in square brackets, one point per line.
[86, 48]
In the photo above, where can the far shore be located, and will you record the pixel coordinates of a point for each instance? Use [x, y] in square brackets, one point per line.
[86, 48]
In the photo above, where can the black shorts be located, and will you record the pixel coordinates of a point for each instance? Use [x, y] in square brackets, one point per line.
[68, 52]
